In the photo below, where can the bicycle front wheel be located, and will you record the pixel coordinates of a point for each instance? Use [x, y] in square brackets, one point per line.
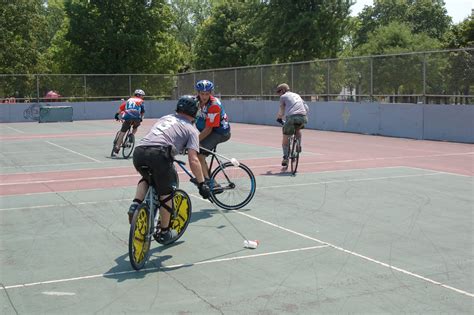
[182, 210]
[233, 186]
[294, 155]
[128, 144]
[139, 238]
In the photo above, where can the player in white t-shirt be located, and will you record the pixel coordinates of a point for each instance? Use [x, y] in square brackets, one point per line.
[295, 111]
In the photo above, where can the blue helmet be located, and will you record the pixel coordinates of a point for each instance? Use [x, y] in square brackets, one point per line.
[204, 86]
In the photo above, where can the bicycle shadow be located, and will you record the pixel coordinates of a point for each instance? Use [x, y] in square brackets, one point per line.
[203, 214]
[283, 172]
[123, 270]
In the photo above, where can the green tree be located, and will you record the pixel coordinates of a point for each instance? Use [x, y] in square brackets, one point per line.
[189, 15]
[225, 39]
[22, 30]
[118, 36]
[302, 30]
[398, 74]
[423, 16]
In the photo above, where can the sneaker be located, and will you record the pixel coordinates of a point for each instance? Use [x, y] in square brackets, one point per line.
[167, 237]
[284, 162]
[214, 186]
[298, 148]
[131, 211]
[131, 138]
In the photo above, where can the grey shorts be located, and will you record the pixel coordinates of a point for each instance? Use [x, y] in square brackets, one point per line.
[212, 140]
[294, 122]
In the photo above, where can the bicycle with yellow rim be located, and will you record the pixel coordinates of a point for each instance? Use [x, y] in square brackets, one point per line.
[145, 220]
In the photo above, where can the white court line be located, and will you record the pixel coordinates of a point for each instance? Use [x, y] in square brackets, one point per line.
[112, 274]
[67, 180]
[83, 155]
[441, 172]
[360, 255]
[14, 129]
[264, 187]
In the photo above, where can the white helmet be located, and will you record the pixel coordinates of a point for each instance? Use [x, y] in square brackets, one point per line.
[139, 93]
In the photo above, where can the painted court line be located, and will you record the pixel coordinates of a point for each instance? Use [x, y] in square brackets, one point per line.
[409, 273]
[103, 275]
[69, 150]
[14, 129]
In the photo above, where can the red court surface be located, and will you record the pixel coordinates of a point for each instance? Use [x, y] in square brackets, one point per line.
[322, 151]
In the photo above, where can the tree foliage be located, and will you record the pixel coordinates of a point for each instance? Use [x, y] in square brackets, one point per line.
[126, 36]
[423, 16]
[226, 39]
[22, 31]
[302, 30]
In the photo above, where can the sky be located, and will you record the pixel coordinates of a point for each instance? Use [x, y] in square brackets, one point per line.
[458, 10]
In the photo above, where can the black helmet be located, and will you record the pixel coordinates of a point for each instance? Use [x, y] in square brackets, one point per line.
[187, 104]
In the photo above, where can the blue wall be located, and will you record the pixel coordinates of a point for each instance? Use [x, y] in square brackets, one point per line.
[416, 121]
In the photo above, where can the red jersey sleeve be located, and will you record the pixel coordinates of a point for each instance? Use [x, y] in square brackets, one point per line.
[122, 107]
[213, 118]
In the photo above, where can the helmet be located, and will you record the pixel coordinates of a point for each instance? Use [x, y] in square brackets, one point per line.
[139, 93]
[282, 87]
[187, 104]
[204, 86]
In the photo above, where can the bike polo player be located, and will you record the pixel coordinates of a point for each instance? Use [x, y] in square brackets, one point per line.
[212, 122]
[170, 135]
[132, 112]
[295, 111]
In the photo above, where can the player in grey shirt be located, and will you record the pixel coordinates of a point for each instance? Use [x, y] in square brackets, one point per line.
[295, 111]
[170, 135]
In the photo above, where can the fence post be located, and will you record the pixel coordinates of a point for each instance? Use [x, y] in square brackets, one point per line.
[85, 88]
[292, 85]
[129, 84]
[261, 82]
[371, 79]
[37, 89]
[327, 82]
[424, 79]
[235, 83]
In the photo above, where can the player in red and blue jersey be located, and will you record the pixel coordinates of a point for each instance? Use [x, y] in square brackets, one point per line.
[211, 121]
[131, 112]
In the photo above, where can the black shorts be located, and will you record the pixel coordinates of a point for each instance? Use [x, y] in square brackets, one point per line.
[159, 160]
[212, 140]
[130, 122]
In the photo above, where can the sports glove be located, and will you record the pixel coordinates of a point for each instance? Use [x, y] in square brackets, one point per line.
[280, 121]
[204, 190]
[116, 116]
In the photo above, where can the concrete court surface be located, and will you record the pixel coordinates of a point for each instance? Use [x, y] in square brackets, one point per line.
[368, 225]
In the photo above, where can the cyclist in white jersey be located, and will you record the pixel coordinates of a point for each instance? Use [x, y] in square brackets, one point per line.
[295, 111]
[170, 135]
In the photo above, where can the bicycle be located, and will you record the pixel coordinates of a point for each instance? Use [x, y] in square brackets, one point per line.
[294, 148]
[128, 143]
[144, 223]
[232, 183]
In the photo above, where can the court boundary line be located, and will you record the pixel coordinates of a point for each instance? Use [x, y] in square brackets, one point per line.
[202, 262]
[339, 248]
[72, 151]
[265, 187]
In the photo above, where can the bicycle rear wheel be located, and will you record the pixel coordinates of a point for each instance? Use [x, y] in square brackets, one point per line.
[234, 186]
[114, 143]
[128, 144]
[139, 238]
[294, 155]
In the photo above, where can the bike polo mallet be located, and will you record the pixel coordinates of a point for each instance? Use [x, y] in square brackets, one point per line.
[247, 243]
[232, 160]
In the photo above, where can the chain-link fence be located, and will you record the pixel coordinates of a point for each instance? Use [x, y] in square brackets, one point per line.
[438, 77]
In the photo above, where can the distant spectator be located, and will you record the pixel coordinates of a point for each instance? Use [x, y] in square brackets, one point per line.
[52, 96]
